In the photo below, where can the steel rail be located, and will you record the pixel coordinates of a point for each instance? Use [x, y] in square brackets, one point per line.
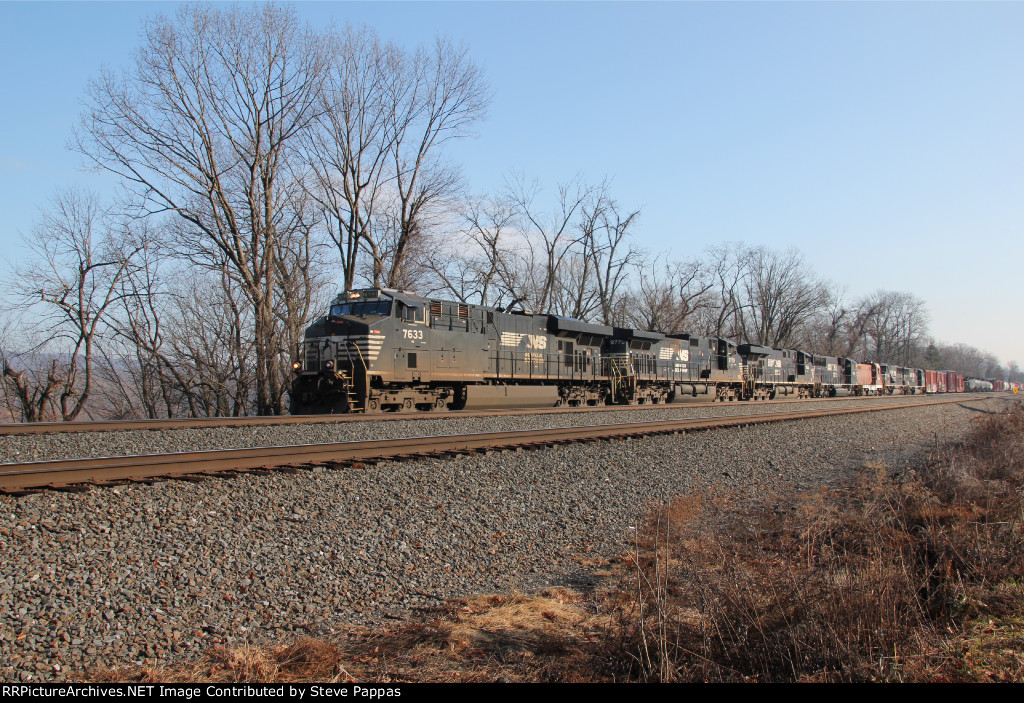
[55, 473]
[33, 428]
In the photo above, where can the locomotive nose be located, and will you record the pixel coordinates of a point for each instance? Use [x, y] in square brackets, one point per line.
[347, 327]
[343, 348]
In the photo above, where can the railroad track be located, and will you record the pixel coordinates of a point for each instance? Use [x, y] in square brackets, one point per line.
[72, 473]
[31, 428]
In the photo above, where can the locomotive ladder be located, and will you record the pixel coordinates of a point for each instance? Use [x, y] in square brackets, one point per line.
[748, 374]
[348, 379]
[351, 397]
[613, 371]
[623, 380]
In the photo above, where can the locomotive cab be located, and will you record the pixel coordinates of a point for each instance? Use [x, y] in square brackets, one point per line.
[359, 307]
[342, 351]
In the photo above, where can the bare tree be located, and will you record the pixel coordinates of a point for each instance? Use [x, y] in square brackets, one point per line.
[210, 332]
[780, 295]
[727, 267]
[80, 256]
[348, 150]
[299, 294]
[550, 242]
[140, 377]
[203, 127]
[442, 96]
[30, 391]
[479, 263]
[828, 331]
[891, 325]
[11, 411]
[575, 260]
[29, 385]
[377, 172]
[992, 368]
[861, 317]
[911, 326]
[1013, 372]
[670, 297]
[609, 255]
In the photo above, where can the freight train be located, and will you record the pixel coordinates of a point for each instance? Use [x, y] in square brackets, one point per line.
[380, 350]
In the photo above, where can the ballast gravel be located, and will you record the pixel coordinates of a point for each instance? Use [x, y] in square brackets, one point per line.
[155, 572]
[18, 448]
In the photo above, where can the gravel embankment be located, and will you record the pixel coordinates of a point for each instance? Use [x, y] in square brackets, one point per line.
[119, 443]
[120, 575]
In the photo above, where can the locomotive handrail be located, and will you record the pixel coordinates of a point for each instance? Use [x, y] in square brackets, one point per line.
[359, 352]
[348, 353]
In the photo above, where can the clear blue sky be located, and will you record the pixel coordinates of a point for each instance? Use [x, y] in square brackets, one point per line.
[883, 139]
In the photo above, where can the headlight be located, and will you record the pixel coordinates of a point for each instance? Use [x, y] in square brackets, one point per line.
[329, 364]
[297, 365]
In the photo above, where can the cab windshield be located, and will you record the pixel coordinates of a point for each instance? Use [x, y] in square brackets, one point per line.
[362, 307]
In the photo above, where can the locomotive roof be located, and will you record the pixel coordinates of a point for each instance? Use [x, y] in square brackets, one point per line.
[628, 333]
[568, 324]
[372, 293]
[755, 350]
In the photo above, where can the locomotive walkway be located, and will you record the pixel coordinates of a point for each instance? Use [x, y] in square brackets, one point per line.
[72, 473]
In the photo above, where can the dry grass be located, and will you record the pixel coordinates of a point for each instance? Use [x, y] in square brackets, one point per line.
[912, 577]
[302, 661]
[864, 582]
[989, 648]
[542, 637]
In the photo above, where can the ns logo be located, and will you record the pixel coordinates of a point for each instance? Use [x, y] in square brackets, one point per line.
[536, 341]
[526, 341]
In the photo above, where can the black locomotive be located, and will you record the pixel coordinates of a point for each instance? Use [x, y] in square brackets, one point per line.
[387, 350]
